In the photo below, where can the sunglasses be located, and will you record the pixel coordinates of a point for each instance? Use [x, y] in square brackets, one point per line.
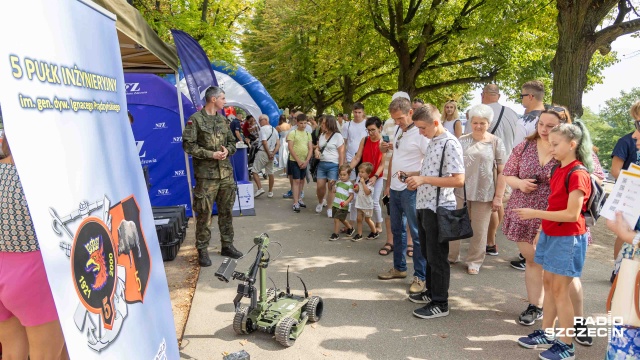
[522, 96]
[559, 112]
[637, 124]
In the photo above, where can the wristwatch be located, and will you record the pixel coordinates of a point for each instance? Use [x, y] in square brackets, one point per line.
[636, 239]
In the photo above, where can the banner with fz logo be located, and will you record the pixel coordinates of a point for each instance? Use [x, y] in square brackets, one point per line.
[158, 135]
[86, 193]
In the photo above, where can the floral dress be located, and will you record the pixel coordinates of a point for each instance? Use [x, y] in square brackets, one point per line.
[524, 164]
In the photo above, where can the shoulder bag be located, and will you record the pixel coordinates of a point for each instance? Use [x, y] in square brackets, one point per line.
[624, 296]
[452, 224]
[315, 162]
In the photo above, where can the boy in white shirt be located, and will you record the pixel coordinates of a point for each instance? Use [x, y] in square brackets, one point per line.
[364, 200]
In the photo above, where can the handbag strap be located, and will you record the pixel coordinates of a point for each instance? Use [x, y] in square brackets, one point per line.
[444, 148]
[327, 144]
[498, 122]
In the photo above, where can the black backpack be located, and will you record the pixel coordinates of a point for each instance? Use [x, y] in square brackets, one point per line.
[596, 200]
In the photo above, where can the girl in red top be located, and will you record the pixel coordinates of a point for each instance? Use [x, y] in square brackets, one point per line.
[562, 240]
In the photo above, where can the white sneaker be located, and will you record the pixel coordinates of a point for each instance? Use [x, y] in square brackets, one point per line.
[324, 202]
[270, 194]
[259, 192]
[329, 213]
[319, 208]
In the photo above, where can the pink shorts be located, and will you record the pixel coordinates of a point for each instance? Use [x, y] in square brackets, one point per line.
[24, 289]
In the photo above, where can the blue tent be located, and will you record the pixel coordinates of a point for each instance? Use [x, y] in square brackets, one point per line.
[153, 103]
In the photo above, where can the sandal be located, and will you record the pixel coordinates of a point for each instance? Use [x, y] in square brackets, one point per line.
[410, 250]
[386, 249]
[472, 271]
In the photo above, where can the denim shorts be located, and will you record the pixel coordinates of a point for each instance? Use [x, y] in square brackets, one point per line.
[327, 170]
[294, 170]
[562, 255]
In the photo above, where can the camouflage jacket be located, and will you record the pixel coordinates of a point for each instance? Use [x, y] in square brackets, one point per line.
[203, 135]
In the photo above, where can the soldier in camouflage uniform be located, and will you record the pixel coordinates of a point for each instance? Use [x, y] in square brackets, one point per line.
[208, 139]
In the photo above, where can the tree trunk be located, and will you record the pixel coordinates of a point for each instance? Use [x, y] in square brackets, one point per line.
[573, 57]
[205, 6]
[348, 91]
[406, 72]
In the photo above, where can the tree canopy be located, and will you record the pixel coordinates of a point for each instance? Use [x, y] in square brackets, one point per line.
[321, 56]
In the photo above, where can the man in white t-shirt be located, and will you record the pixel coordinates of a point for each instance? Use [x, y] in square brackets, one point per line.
[507, 126]
[340, 119]
[408, 152]
[353, 132]
[264, 158]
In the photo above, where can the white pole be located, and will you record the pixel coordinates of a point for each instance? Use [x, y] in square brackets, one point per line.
[186, 156]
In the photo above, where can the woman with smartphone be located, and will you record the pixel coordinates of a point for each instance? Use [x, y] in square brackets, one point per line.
[369, 151]
[528, 171]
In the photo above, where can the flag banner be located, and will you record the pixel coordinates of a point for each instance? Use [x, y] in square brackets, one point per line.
[65, 116]
[195, 65]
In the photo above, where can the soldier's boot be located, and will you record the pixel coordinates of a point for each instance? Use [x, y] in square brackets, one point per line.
[203, 258]
[231, 252]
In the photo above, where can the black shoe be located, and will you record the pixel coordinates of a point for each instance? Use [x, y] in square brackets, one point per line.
[334, 237]
[432, 310]
[231, 252]
[350, 232]
[519, 264]
[582, 335]
[203, 258]
[492, 250]
[372, 235]
[529, 316]
[420, 298]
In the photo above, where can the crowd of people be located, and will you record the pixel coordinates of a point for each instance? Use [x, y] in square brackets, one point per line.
[533, 175]
[508, 171]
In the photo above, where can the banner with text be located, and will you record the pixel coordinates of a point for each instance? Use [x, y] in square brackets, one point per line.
[64, 109]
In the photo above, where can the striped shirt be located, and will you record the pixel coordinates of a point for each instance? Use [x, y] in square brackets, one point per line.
[343, 190]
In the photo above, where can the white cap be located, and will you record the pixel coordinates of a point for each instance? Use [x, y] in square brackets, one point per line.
[400, 94]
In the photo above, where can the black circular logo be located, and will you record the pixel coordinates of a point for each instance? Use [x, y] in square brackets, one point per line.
[93, 265]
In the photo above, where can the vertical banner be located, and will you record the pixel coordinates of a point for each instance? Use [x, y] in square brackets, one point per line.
[64, 109]
[196, 67]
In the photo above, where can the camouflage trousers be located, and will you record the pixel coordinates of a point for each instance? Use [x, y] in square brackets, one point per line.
[223, 193]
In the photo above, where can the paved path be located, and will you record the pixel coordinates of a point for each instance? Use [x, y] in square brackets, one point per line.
[365, 318]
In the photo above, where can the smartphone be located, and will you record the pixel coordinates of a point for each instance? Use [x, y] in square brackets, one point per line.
[385, 138]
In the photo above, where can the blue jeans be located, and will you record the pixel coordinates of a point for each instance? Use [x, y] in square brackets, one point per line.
[403, 211]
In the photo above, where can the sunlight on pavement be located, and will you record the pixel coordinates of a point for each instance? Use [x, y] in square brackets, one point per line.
[495, 338]
[468, 304]
[360, 294]
[301, 263]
